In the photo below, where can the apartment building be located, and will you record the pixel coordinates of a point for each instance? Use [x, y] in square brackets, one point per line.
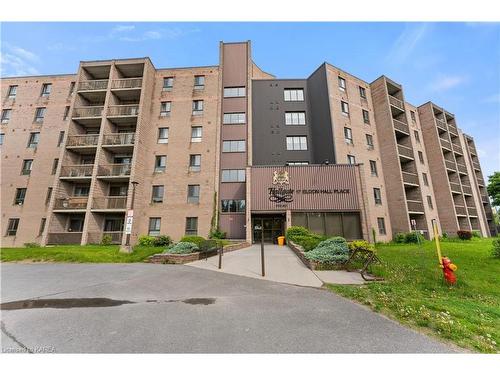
[122, 149]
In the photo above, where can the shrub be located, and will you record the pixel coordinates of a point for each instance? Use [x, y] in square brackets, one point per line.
[106, 240]
[308, 242]
[399, 238]
[414, 237]
[217, 234]
[31, 244]
[476, 234]
[445, 235]
[182, 248]
[495, 250]
[296, 231]
[331, 251]
[360, 245]
[146, 240]
[464, 234]
[162, 241]
[198, 240]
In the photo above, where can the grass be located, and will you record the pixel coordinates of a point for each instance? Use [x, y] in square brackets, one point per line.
[468, 313]
[77, 254]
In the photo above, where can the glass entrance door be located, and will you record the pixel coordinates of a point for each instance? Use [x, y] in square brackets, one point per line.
[272, 228]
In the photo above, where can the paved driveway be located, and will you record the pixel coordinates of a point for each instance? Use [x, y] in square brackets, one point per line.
[235, 314]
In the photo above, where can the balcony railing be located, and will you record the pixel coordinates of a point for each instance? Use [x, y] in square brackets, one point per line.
[410, 178]
[84, 170]
[480, 181]
[460, 210]
[457, 149]
[415, 206]
[445, 144]
[96, 237]
[110, 203]
[462, 168]
[472, 211]
[119, 139]
[467, 189]
[99, 84]
[485, 199]
[450, 165]
[64, 238]
[123, 110]
[472, 150]
[441, 124]
[401, 126]
[453, 130]
[71, 203]
[476, 165]
[396, 102]
[82, 140]
[91, 111]
[114, 170]
[126, 83]
[405, 151]
[455, 187]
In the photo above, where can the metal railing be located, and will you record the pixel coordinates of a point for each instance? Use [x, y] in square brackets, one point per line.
[476, 165]
[81, 170]
[453, 130]
[96, 237]
[123, 110]
[64, 238]
[455, 187]
[98, 84]
[71, 203]
[460, 210]
[485, 199]
[401, 126]
[450, 165]
[119, 139]
[114, 170]
[110, 203]
[126, 83]
[467, 189]
[396, 102]
[441, 124]
[415, 206]
[410, 178]
[472, 150]
[480, 181]
[445, 144]
[472, 211]
[457, 149]
[82, 140]
[462, 168]
[405, 151]
[90, 111]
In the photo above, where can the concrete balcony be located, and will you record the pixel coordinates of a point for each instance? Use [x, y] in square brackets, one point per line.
[445, 144]
[123, 110]
[415, 207]
[405, 152]
[115, 172]
[457, 149]
[119, 142]
[472, 150]
[401, 127]
[472, 211]
[485, 199]
[96, 237]
[67, 204]
[462, 168]
[76, 172]
[64, 238]
[395, 102]
[410, 179]
[455, 187]
[467, 190]
[453, 130]
[126, 83]
[480, 181]
[441, 125]
[476, 166]
[88, 116]
[111, 203]
[93, 85]
[450, 165]
[82, 143]
[460, 210]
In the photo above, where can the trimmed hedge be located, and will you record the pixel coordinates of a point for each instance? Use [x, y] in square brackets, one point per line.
[303, 237]
[198, 240]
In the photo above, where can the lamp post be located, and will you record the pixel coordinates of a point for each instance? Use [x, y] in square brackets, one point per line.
[129, 220]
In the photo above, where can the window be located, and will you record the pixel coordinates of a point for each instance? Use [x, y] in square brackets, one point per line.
[71, 88]
[348, 136]
[295, 118]
[199, 82]
[2, 136]
[61, 138]
[369, 141]
[377, 195]
[39, 114]
[345, 108]
[234, 92]
[296, 143]
[193, 194]
[46, 89]
[154, 226]
[165, 108]
[342, 85]
[12, 92]
[373, 168]
[233, 146]
[366, 116]
[233, 175]
[234, 118]
[157, 194]
[426, 180]
[81, 190]
[294, 95]
[351, 159]
[33, 140]
[55, 163]
[168, 83]
[20, 195]
[233, 205]
[160, 163]
[66, 112]
[27, 165]
[347, 224]
[42, 226]
[362, 92]
[421, 157]
[12, 227]
[381, 225]
[417, 136]
[429, 202]
[163, 135]
[195, 162]
[413, 117]
[6, 115]
[297, 163]
[191, 226]
[48, 196]
[197, 107]
[196, 133]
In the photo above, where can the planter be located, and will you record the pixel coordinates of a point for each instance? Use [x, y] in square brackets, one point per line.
[165, 258]
[299, 251]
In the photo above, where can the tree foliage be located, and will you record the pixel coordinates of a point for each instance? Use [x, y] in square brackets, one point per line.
[494, 188]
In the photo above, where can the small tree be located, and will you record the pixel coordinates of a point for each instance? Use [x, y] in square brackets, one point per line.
[494, 188]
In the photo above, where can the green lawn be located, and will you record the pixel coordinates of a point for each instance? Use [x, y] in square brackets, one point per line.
[414, 292]
[77, 254]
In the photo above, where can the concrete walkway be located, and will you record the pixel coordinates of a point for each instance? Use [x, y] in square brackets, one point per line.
[281, 265]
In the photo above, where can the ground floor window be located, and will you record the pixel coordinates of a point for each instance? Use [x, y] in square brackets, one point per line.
[191, 226]
[345, 224]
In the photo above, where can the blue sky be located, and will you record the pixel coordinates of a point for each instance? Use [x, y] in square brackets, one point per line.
[456, 65]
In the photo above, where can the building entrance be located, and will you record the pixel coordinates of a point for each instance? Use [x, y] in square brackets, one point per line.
[272, 225]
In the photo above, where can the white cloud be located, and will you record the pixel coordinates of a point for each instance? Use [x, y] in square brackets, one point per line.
[170, 34]
[407, 42]
[444, 83]
[17, 61]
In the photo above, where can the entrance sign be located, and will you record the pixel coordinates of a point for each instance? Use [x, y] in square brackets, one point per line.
[128, 221]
